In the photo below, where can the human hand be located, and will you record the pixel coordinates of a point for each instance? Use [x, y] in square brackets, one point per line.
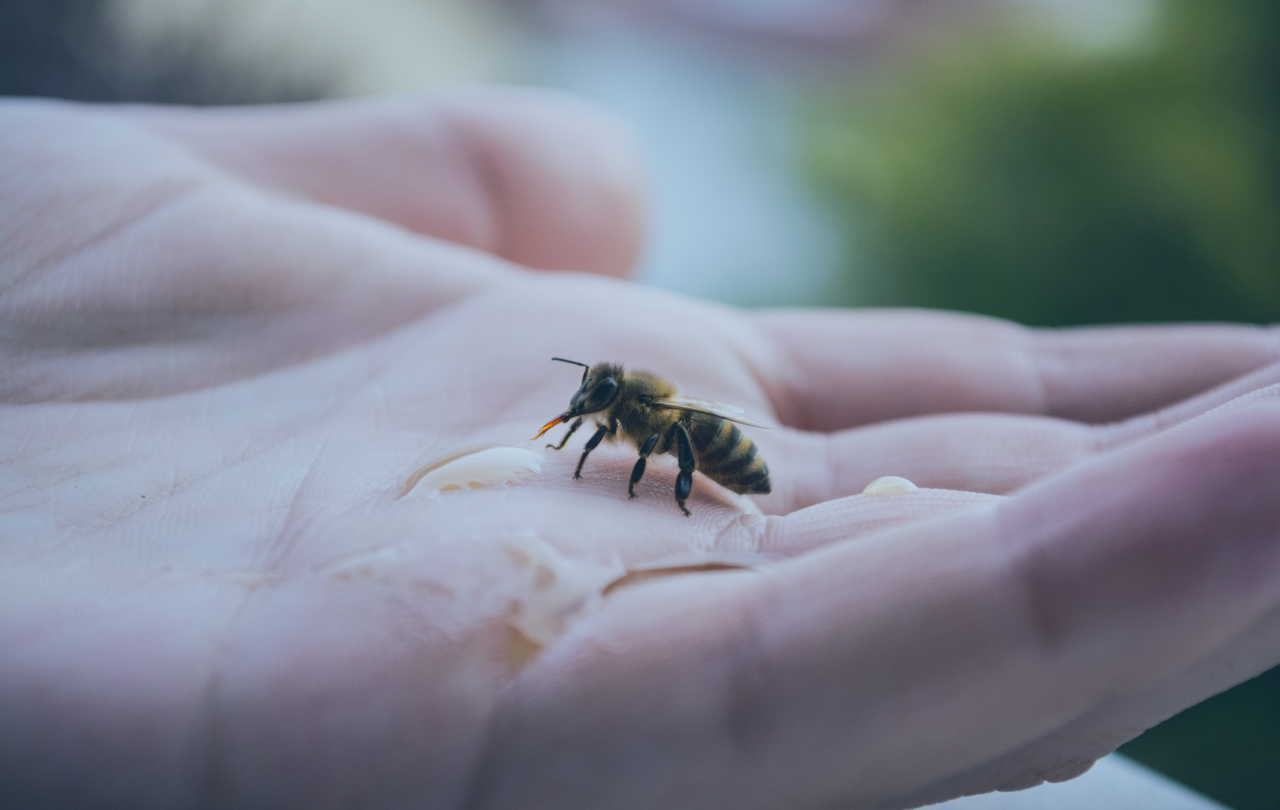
[221, 364]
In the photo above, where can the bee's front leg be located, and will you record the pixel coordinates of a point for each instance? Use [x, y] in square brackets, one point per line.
[577, 423]
[591, 445]
[638, 470]
[684, 481]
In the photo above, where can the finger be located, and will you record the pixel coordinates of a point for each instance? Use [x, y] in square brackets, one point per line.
[131, 268]
[533, 176]
[809, 529]
[973, 452]
[1078, 743]
[1262, 385]
[868, 671]
[835, 370]
[988, 453]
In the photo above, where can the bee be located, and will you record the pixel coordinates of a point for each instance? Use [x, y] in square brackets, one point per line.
[648, 411]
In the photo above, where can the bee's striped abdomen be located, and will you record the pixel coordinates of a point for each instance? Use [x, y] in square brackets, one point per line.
[728, 457]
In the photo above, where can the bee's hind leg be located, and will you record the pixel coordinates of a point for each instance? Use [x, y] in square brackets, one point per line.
[684, 481]
[577, 423]
[638, 470]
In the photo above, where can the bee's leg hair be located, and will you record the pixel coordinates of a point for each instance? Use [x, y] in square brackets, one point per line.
[684, 481]
[591, 445]
[638, 470]
[577, 423]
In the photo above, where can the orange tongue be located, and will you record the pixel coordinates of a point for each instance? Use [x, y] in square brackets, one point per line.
[564, 417]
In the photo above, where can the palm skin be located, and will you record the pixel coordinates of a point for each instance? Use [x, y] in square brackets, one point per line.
[229, 337]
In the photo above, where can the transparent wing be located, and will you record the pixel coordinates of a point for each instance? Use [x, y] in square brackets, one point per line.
[729, 412]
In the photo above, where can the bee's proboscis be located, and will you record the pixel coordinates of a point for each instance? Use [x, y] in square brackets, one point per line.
[564, 417]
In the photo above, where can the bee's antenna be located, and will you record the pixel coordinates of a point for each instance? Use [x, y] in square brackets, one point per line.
[585, 367]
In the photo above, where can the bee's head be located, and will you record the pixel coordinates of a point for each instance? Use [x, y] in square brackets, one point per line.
[598, 391]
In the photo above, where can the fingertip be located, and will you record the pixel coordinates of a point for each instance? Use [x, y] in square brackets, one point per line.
[565, 174]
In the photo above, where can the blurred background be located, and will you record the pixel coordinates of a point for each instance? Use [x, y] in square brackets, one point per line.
[1056, 162]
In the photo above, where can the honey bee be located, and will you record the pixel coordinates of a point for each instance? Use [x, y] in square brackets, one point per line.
[648, 411]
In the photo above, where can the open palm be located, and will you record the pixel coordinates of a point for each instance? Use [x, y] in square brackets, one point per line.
[229, 338]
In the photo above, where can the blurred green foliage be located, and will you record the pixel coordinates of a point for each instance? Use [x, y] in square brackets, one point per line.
[1015, 171]
[1227, 747]
[1012, 170]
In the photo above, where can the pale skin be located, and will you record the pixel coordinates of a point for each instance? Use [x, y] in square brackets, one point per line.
[228, 337]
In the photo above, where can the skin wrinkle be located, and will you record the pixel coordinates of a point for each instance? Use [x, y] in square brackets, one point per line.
[151, 201]
[353, 277]
[762, 351]
[788, 406]
[292, 527]
[328, 284]
[1225, 395]
[1050, 643]
[215, 778]
[480, 743]
[1195, 409]
[745, 360]
[1174, 390]
[1051, 369]
[1107, 437]
[1096, 443]
[773, 527]
[830, 464]
[485, 232]
[750, 363]
[510, 693]
[729, 537]
[1264, 394]
[322, 289]
[179, 487]
[590, 203]
[1022, 564]
[287, 171]
[475, 156]
[70, 538]
[1088, 443]
[946, 787]
[789, 489]
[381, 422]
[1047, 636]
[371, 372]
[1035, 359]
[748, 721]
[481, 764]
[524, 237]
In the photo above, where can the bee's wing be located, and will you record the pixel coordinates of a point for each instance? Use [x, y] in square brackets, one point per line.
[729, 412]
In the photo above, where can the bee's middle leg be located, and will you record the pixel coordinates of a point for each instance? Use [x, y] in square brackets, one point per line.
[591, 445]
[638, 470]
[577, 423]
[684, 481]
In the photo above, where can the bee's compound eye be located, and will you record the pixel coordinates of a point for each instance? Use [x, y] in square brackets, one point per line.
[603, 393]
